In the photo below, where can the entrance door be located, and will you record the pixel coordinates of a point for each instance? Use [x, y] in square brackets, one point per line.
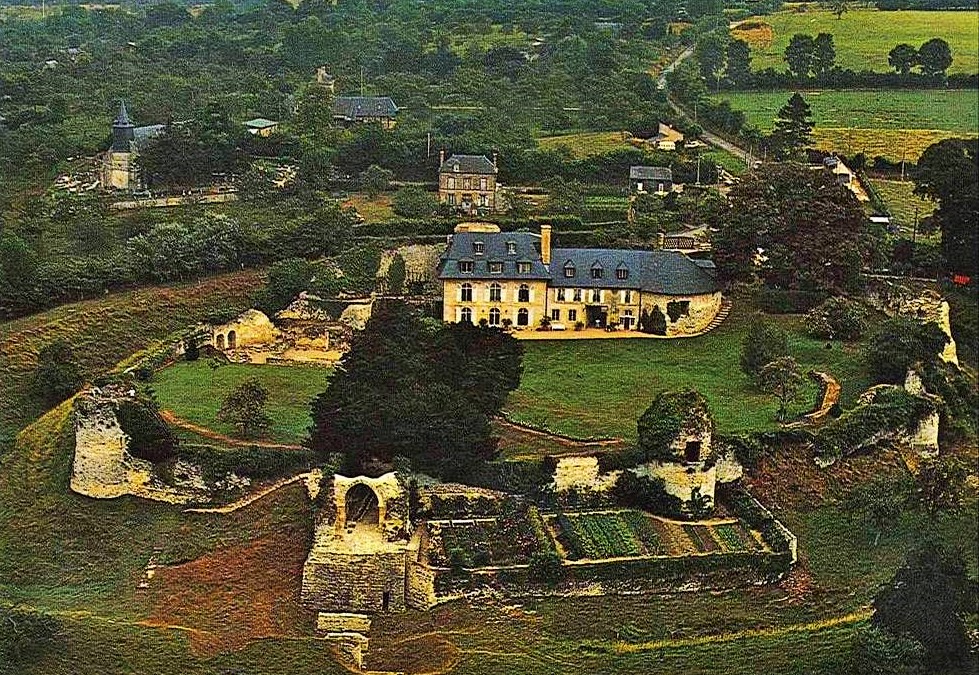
[597, 316]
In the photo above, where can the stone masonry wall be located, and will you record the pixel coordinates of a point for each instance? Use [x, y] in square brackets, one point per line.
[355, 582]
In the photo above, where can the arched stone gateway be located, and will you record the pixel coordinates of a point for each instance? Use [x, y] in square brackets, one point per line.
[361, 506]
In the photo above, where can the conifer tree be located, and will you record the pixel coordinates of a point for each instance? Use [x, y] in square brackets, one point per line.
[793, 128]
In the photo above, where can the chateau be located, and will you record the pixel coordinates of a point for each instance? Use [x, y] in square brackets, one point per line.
[518, 278]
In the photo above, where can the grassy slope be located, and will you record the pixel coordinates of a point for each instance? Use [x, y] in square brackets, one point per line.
[105, 331]
[570, 387]
[194, 391]
[902, 202]
[586, 143]
[863, 37]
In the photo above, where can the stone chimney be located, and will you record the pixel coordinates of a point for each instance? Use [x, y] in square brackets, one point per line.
[441, 157]
[545, 244]
[496, 156]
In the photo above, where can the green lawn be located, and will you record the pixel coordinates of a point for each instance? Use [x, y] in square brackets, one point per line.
[902, 201]
[863, 37]
[600, 387]
[953, 110]
[195, 390]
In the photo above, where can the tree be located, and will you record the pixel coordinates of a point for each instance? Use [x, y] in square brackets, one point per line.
[738, 61]
[837, 7]
[657, 321]
[286, 280]
[710, 55]
[836, 319]
[412, 201]
[397, 272]
[903, 58]
[763, 343]
[924, 601]
[948, 171]
[796, 229]
[564, 196]
[782, 378]
[375, 180]
[824, 54]
[244, 408]
[799, 55]
[940, 483]
[57, 375]
[879, 502]
[934, 57]
[877, 652]
[410, 387]
[900, 343]
[643, 492]
[792, 131]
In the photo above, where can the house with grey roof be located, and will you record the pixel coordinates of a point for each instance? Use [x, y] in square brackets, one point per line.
[650, 179]
[519, 279]
[467, 183]
[364, 109]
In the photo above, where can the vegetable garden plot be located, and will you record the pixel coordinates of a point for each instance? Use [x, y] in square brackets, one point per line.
[701, 537]
[734, 537]
[490, 542]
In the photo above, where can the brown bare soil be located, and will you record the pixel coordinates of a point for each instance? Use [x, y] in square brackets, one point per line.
[237, 594]
[428, 653]
[789, 479]
[757, 34]
[516, 442]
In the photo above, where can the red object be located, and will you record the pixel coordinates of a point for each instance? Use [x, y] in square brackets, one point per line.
[961, 279]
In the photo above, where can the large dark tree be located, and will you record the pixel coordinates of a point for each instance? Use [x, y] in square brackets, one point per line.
[799, 54]
[738, 61]
[792, 131]
[898, 344]
[903, 58]
[413, 388]
[924, 602]
[934, 57]
[948, 172]
[710, 54]
[824, 54]
[812, 233]
[58, 375]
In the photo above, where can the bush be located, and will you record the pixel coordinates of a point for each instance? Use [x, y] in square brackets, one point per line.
[836, 319]
[57, 376]
[900, 343]
[24, 637]
[648, 494]
[546, 566]
[150, 437]
[763, 343]
[412, 201]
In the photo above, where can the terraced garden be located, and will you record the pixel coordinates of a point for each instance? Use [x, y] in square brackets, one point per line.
[600, 535]
[484, 541]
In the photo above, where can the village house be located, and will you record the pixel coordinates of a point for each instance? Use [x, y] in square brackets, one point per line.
[518, 279]
[261, 127]
[349, 110]
[650, 179]
[468, 182]
[119, 168]
[666, 138]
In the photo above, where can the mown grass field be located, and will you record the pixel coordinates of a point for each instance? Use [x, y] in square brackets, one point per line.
[102, 332]
[596, 388]
[586, 143]
[889, 123]
[195, 390]
[902, 201]
[863, 37]
[377, 210]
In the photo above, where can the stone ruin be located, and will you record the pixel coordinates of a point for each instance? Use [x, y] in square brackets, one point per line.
[926, 305]
[103, 466]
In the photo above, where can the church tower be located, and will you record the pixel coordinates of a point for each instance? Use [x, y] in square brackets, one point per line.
[123, 130]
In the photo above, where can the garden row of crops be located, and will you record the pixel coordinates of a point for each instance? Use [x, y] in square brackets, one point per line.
[507, 540]
[600, 535]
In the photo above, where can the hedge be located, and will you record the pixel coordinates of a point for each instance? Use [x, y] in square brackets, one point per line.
[251, 462]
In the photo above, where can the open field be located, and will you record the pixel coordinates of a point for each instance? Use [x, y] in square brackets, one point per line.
[377, 210]
[586, 143]
[102, 332]
[893, 124]
[194, 391]
[569, 387]
[902, 202]
[863, 37]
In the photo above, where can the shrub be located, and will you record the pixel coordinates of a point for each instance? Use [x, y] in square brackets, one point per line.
[781, 301]
[57, 376]
[412, 201]
[763, 343]
[546, 566]
[648, 494]
[24, 637]
[898, 344]
[836, 319]
[150, 437]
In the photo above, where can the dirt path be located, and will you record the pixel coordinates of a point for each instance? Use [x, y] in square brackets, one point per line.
[253, 497]
[171, 418]
[830, 396]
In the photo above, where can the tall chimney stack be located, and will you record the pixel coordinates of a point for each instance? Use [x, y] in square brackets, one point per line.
[545, 244]
[441, 157]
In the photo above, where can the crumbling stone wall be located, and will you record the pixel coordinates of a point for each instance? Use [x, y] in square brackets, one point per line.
[250, 328]
[926, 305]
[359, 582]
[582, 473]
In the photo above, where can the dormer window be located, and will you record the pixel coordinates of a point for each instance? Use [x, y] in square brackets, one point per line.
[478, 247]
[466, 266]
[622, 273]
[597, 272]
[523, 267]
[496, 268]
[511, 248]
[455, 167]
[568, 271]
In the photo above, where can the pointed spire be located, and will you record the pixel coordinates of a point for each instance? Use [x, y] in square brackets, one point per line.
[122, 120]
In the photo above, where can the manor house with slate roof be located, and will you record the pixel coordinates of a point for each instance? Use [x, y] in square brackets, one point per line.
[467, 183]
[517, 278]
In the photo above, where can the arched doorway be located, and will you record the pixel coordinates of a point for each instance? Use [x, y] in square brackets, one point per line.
[219, 341]
[232, 339]
[361, 506]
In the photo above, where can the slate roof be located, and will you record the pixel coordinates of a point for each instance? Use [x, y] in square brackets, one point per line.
[143, 134]
[650, 173]
[360, 107]
[260, 123]
[478, 164]
[526, 249]
[662, 272]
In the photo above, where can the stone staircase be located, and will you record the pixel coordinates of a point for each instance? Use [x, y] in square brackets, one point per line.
[721, 315]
